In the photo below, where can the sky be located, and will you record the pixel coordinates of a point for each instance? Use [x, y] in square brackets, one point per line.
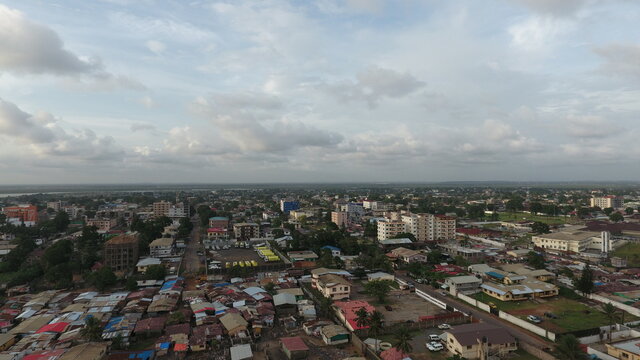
[176, 91]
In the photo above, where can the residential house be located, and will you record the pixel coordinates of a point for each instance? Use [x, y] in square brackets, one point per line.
[144, 263]
[380, 276]
[162, 247]
[408, 255]
[334, 286]
[479, 340]
[463, 284]
[234, 324]
[294, 348]
[334, 335]
[525, 290]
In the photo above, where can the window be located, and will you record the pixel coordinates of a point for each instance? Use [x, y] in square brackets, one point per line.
[469, 347]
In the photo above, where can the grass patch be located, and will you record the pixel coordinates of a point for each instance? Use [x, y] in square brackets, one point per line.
[551, 220]
[502, 305]
[630, 252]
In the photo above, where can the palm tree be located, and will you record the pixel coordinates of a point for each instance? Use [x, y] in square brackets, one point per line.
[376, 320]
[611, 313]
[362, 319]
[403, 340]
[324, 305]
[568, 348]
[92, 329]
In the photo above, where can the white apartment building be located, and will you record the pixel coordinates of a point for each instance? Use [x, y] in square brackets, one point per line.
[387, 228]
[609, 201]
[425, 227]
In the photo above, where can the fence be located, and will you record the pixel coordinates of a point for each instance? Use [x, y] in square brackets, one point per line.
[480, 305]
[535, 351]
[527, 325]
[630, 309]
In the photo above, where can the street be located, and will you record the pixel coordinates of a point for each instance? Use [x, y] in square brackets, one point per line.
[191, 259]
[521, 334]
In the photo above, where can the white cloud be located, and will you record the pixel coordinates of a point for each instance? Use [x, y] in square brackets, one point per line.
[28, 47]
[621, 60]
[156, 47]
[554, 7]
[590, 126]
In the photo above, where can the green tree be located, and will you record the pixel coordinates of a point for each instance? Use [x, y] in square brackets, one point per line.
[270, 288]
[61, 221]
[535, 207]
[185, 227]
[403, 338]
[103, 278]
[434, 257]
[378, 289]
[92, 330]
[324, 306]
[362, 317]
[405, 235]
[535, 260]
[131, 284]
[155, 272]
[376, 323]
[628, 211]
[616, 217]
[568, 348]
[585, 282]
[607, 211]
[540, 228]
[611, 313]
[359, 273]
[117, 342]
[176, 317]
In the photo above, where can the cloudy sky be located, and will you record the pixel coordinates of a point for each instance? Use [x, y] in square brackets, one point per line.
[120, 91]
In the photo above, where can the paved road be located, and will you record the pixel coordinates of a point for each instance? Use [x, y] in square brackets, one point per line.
[191, 259]
[518, 332]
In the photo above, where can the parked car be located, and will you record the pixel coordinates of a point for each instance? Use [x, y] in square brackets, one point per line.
[434, 346]
[444, 326]
[434, 337]
[492, 305]
[550, 315]
[534, 319]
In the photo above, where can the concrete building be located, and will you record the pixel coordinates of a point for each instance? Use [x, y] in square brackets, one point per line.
[444, 227]
[334, 286]
[102, 224]
[246, 231]
[121, 252]
[420, 225]
[355, 211]
[161, 247]
[287, 205]
[340, 218]
[161, 208]
[26, 214]
[294, 348]
[609, 201]
[388, 229]
[523, 290]
[219, 222]
[576, 240]
[463, 284]
[408, 256]
[480, 341]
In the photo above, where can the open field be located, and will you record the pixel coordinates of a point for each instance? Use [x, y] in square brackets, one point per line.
[572, 315]
[551, 220]
[630, 252]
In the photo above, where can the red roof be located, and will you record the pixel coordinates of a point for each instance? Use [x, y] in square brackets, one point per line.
[45, 355]
[216, 230]
[56, 327]
[294, 343]
[393, 354]
[349, 309]
[180, 347]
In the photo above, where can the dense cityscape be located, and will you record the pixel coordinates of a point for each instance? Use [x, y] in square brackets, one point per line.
[321, 272]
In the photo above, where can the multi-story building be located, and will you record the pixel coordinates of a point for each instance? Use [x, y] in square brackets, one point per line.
[121, 252]
[246, 231]
[334, 287]
[161, 208]
[354, 211]
[26, 214]
[388, 229]
[161, 247]
[466, 285]
[218, 233]
[420, 225]
[219, 222]
[102, 224]
[444, 227]
[340, 218]
[609, 201]
[287, 205]
[576, 240]
[55, 205]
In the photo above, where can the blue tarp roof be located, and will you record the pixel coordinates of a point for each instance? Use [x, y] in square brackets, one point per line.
[330, 247]
[495, 274]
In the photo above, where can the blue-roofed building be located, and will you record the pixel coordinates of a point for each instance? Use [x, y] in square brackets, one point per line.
[335, 251]
[133, 355]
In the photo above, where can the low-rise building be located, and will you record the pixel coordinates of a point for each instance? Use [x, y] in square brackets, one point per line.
[294, 348]
[408, 255]
[103, 224]
[463, 284]
[525, 290]
[300, 256]
[334, 287]
[479, 341]
[334, 335]
[144, 263]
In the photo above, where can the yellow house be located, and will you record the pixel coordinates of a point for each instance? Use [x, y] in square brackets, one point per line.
[626, 349]
[528, 289]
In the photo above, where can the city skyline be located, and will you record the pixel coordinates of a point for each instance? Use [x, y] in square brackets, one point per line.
[120, 91]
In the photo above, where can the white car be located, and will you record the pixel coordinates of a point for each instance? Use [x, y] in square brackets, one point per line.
[434, 337]
[434, 346]
[444, 326]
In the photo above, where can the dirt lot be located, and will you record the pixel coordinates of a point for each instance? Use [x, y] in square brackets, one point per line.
[318, 350]
[405, 305]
